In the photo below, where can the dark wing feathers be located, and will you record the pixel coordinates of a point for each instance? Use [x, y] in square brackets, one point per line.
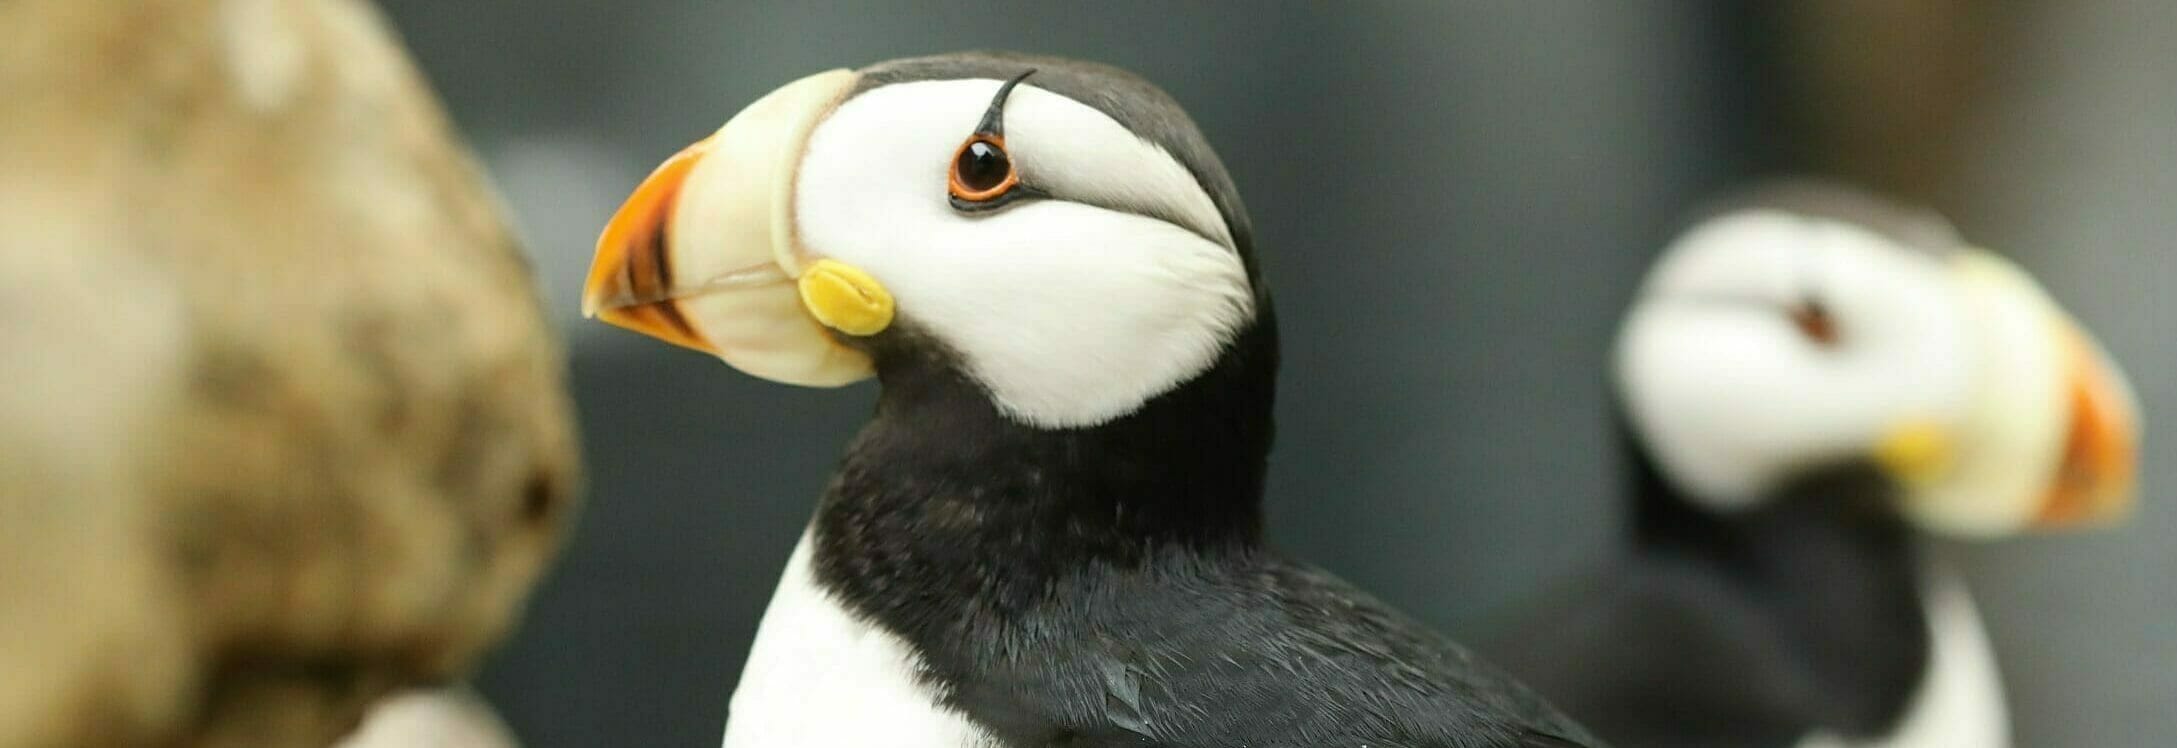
[1255, 653]
[1539, 740]
[1660, 659]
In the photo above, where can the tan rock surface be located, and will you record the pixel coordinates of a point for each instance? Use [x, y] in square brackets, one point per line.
[282, 427]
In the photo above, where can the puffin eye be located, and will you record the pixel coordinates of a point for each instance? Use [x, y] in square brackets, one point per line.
[1813, 321]
[981, 171]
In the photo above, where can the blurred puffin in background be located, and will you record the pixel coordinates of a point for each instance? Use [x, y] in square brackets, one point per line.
[1050, 532]
[1813, 380]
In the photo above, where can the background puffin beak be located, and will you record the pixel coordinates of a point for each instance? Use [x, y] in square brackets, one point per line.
[703, 254]
[2098, 474]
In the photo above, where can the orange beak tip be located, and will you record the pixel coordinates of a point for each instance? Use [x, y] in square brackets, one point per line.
[2099, 475]
[629, 280]
[662, 321]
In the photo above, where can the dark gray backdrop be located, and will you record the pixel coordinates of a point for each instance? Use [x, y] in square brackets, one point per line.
[1453, 200]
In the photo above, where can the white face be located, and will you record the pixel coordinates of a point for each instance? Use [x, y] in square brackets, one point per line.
[1071, 308]
[1734, 391]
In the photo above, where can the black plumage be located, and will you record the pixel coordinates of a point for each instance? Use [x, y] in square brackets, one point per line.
[1751, 630]
[1109, 586]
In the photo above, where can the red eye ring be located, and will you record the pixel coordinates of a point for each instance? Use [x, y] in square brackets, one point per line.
[981, 170]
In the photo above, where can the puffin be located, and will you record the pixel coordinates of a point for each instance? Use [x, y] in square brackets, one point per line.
[1814, 383]
[1050, 531]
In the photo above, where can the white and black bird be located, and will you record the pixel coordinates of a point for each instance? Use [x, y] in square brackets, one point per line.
[1813, 381]
[1050, 533]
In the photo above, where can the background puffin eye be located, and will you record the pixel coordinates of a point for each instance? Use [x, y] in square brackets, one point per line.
[1813, 321]
[982, 171]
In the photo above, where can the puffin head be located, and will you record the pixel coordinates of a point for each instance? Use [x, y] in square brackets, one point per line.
[1057, 231]
[1811, 327]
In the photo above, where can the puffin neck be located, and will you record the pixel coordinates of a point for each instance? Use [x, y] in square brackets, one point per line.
[1847, 510]
[1826, 563]
[945, 506]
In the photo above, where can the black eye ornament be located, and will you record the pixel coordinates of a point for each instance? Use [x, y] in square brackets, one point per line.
[982, 176]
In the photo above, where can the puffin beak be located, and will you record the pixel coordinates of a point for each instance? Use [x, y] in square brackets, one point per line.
[704, 254]
[630, 283]
[2050, 441]
[2097, 476]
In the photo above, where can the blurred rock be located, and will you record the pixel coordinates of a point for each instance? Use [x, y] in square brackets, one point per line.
[283, 430]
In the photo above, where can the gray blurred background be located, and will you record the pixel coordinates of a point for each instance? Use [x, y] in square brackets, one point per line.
[1453, 200]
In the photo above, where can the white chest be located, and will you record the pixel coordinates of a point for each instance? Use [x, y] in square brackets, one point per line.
[1960, 704]
[819, 677]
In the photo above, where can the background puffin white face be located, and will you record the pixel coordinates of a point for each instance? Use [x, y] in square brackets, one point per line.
[1736, 381]
[1115, 284]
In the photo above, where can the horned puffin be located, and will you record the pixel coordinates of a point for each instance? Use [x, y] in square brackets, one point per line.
[1050, 532]
[1813, 380]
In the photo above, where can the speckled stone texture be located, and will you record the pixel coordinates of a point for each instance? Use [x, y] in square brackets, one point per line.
[282, 427]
